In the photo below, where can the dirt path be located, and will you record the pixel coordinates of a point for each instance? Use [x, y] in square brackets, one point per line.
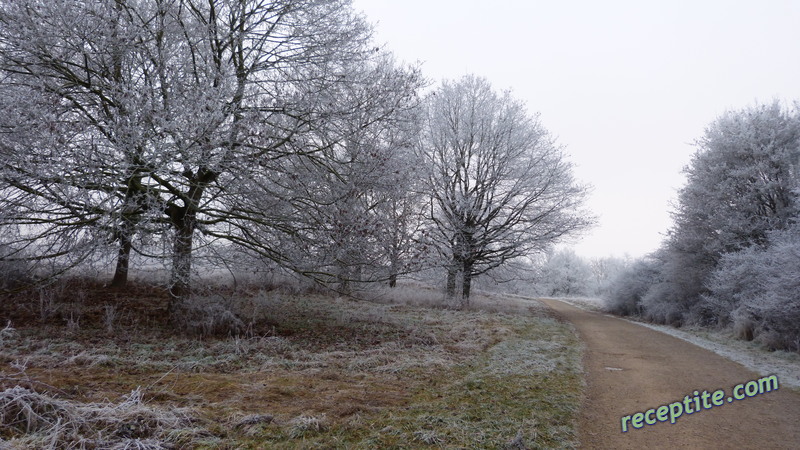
[631, 369]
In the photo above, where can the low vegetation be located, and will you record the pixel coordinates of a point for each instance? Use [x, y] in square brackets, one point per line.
[83, 368]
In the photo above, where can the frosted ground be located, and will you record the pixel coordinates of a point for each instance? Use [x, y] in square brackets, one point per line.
[785, 365]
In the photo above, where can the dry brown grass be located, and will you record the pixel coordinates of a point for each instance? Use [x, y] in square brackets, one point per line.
[32, 420]
[309, 371]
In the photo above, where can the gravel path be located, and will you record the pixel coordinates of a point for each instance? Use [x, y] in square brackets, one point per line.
[631, 369]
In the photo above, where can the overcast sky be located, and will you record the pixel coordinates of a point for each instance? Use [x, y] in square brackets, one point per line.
[625, 86]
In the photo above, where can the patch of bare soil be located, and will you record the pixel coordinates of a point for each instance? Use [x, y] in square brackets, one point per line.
[632, 369]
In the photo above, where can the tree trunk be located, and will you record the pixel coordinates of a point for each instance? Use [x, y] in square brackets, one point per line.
[179, 286]
[184, 220]
[344, 286]
[131, 210]
[450, 286]
[120, 279]
[392, 269]
[344, 276]
[394, 262]
[466, 285]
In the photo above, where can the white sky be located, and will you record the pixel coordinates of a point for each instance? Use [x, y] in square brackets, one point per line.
[625, 86]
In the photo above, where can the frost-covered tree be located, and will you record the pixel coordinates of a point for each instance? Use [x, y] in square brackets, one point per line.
[74, 127]
[741, 185]
[352, 197]
[742, 182]
[401, 211]
[166, 111]
[499, 187]
[604, 270]
[735, 218]
[564, 274]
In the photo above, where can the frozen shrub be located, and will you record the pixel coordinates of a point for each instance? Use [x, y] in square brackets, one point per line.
[663, 304]
[743, 325]
[626, 290]
[674, 298]
[735, 280]
[206, 317]
[777, 310]
[758, 291]
[775, 319]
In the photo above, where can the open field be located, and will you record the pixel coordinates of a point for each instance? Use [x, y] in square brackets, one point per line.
[85, 368]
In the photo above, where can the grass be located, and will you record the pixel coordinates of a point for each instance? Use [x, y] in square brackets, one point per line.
[312, 371]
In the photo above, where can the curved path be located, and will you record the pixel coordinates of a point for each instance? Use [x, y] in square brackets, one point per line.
[631, 368]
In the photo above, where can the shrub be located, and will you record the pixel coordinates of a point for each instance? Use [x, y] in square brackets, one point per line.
[626, 290]
[205, 316]
[674, 298]
[758, 291]
[735, 280]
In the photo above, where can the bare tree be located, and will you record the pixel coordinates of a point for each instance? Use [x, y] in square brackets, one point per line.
[605, 270]
[339, 196]
[181, 103]
[499, 187]
[403, 217]
[74, 131]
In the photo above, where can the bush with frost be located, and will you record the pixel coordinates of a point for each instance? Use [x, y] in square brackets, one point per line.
[757, 291]
[626, 290]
